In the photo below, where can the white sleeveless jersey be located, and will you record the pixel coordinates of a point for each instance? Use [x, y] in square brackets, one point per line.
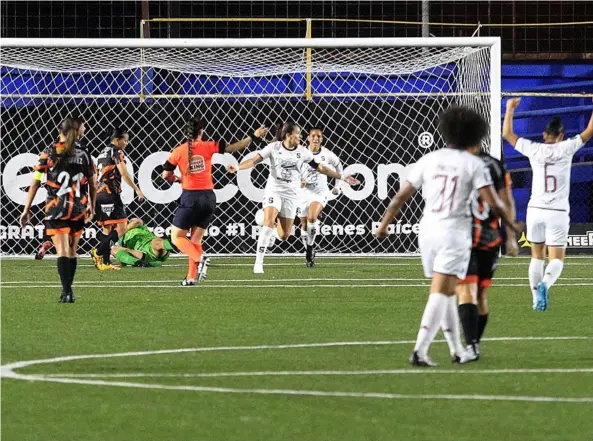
[316, 182]
[447, 178]
[550, 163]
[285, 166]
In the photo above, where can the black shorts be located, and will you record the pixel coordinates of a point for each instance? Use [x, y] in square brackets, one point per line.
[482, 265]
[110, 209]
[196, 209]
[73, 228]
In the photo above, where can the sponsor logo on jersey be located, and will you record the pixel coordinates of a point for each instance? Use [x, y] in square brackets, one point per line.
[107, 208]
[197, 164]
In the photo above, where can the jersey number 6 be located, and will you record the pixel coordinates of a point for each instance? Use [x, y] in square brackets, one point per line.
[553, 187]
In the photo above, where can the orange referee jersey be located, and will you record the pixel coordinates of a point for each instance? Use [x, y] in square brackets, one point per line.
[199, 174]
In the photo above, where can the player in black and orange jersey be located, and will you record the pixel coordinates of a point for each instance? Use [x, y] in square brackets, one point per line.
[198, 201]
[486, 247]
[71, 192]
[110, 211]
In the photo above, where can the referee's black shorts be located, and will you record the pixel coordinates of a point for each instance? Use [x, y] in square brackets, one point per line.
[196, 209]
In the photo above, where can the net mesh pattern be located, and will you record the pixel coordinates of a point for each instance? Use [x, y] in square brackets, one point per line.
[378, 107]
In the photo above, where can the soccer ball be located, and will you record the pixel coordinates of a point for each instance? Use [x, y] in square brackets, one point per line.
[259, 218]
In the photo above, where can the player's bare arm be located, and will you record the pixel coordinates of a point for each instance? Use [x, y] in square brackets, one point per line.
[92, 199]
[587, 134]
[394, 208]
[240, 145]
[334, 174]
[489, 196]
[26, 215]
[507, 127]
[121, 166]
[506, 196]
[245, 165]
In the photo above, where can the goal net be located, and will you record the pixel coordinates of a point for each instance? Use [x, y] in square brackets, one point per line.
[378, 101]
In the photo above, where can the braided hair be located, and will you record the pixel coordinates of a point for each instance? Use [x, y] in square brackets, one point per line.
[69, 129]
[193, 129]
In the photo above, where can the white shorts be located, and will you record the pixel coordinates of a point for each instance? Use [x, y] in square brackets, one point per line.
[286, 207]
[303, 207]
[547, 226]
[447, 253]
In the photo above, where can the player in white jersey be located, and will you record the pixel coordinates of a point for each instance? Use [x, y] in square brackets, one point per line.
[315, 192]
[548, 209]
[447, 177]
[282, 192]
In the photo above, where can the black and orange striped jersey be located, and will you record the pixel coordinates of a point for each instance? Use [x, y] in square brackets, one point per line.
[109, 175]
[486, 226]
[67, 183]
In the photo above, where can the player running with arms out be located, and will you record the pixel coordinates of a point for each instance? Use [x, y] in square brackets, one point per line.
[140, 247]
[282, 192]
[486, 246]
[71, 195]
[548, 209]
[198, 201]
[447, 177]
[110, 210]
[314, 193]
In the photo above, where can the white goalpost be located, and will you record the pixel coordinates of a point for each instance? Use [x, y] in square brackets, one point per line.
[377, 99]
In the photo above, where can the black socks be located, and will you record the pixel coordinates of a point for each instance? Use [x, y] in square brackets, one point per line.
[65, 272]
[482, 320]
[105, 244]
[468, 314]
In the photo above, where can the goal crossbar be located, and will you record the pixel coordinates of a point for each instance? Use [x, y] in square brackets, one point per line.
[313, 43]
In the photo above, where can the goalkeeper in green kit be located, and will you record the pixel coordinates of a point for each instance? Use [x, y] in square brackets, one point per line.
[140, 247]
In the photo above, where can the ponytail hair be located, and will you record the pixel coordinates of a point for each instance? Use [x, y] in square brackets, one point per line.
[193, 129]
[69, 129]
[116, 132]
[285, 129]
[555, 127]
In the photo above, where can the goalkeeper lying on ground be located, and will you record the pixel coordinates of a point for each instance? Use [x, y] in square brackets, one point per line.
[138, 247]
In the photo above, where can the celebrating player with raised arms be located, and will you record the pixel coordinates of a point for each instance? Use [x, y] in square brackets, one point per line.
[110, 210]
[71, 194]
[282, 193]
[447, 177]
[314, 193]
[198, 201]
[548, 210]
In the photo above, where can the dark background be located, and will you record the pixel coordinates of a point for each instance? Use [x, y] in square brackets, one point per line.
[112, 19]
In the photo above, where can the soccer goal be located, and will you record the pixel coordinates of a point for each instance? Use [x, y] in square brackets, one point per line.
[378, 101]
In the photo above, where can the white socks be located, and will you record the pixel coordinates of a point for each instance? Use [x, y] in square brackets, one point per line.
[431, 322]
[553, 271]
[262, 244]
[450, 326]
[304, 237]
[536, 274]
[312, 229]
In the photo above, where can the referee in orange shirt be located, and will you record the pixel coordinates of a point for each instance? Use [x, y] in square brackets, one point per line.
[198, 201]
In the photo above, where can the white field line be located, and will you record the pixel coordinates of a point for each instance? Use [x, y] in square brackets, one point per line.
[7, 371]
[324, 373]
[314, 393]
[320, 263]
[206, 286]
[313, 279]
